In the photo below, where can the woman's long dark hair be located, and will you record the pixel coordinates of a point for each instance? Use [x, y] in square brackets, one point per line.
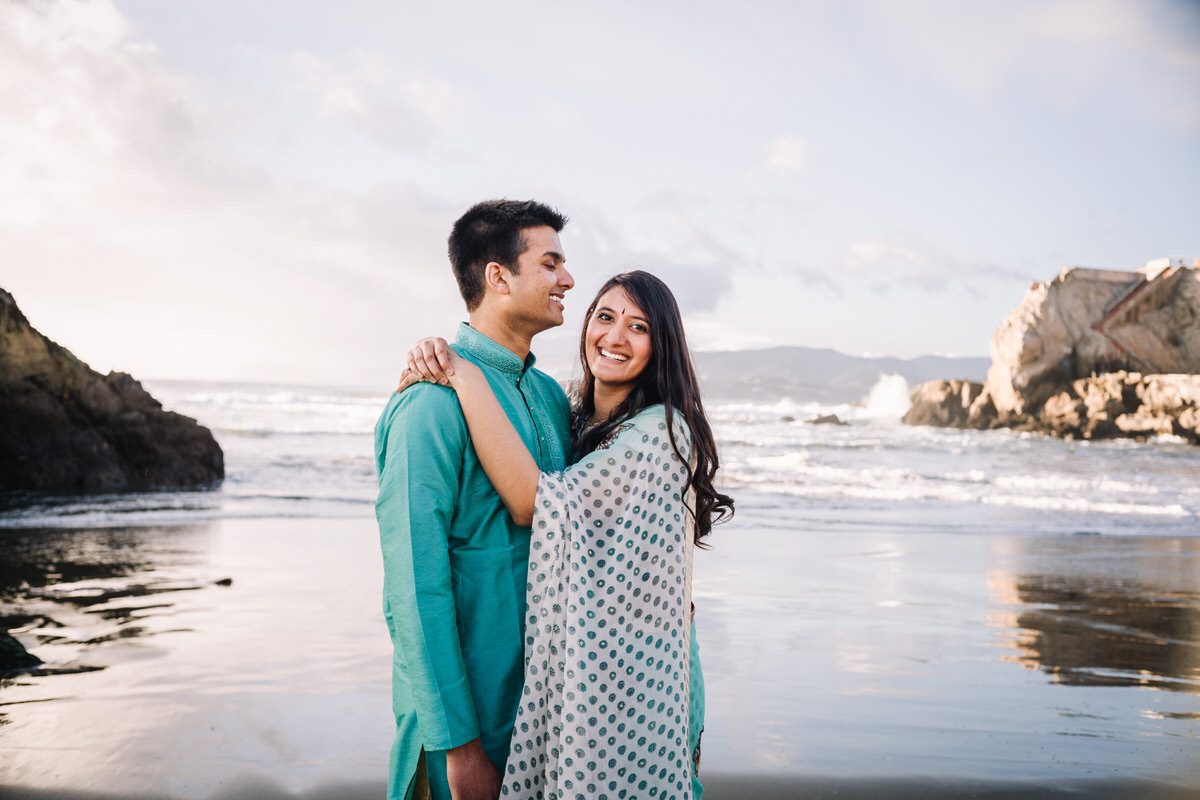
[668, 379]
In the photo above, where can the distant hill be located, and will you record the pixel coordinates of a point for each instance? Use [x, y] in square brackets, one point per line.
[827, 376]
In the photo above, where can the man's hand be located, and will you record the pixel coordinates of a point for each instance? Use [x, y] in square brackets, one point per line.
[471, 774]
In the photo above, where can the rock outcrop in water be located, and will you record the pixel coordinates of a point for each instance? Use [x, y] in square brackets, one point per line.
[64, 426]
[14, 657]
[1092, 354]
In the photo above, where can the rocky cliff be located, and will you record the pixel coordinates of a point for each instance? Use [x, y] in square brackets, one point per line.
[1091, 354]
[64, 426]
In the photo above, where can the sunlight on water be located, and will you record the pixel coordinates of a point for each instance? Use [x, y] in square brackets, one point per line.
[293, 451]
[866, 462]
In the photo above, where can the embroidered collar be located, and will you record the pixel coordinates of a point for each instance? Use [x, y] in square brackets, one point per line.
[490, 352]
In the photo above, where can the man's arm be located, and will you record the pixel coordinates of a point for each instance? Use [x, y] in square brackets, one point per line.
[419, 450]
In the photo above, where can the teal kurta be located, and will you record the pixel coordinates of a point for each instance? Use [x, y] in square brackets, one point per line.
[454, 562]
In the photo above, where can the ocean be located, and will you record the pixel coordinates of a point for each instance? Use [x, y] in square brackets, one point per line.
[299, 451]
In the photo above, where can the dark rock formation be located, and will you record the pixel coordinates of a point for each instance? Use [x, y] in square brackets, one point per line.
[826, 419]
[944, 404]
[14, 657]
[1092, 354]
[64, 426]
[1117, 404]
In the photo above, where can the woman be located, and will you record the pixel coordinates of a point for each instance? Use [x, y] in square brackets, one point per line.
[612, 704]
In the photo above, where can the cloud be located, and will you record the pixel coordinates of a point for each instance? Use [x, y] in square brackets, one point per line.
[889, 263]
[787, 153]
[131, 238]
[1121, 53]
[811, 277]
[90, 26]
[1147, 51]
[666, 235]
[396, 105]
[710, 332]
[80, 104]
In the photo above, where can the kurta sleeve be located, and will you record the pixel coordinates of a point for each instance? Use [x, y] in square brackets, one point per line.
[420, 447]
[604, 710]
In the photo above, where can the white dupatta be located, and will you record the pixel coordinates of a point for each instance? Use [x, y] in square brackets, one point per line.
[604, 709]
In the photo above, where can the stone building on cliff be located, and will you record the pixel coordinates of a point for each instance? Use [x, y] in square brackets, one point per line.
[1093, 353]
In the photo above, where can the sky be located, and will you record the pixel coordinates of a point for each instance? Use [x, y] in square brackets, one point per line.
[221, 190]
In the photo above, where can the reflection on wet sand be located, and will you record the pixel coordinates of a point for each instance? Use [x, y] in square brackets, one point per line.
[1092, 625]
[65, 592]
[244, 650]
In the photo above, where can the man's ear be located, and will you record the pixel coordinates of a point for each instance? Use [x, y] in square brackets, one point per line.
[495, 275]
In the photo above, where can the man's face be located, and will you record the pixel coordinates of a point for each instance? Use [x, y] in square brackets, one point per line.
[536, 290]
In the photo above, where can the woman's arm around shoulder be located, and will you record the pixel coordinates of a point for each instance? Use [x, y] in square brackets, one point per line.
[505, 458]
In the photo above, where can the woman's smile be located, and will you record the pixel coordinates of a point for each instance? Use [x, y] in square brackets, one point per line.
[612, 355]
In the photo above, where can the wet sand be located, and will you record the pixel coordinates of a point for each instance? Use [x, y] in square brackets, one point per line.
[724, 787]
[842, 660]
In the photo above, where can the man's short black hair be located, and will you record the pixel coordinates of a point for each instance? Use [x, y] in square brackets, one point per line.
[493, 231]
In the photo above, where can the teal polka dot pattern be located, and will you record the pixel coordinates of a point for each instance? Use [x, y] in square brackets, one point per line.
[604, 709]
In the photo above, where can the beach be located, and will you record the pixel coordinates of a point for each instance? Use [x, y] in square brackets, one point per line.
[928, 273]
[894, 612]
[247, 658]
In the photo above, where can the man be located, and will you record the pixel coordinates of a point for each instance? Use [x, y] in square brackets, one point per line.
[454, 562]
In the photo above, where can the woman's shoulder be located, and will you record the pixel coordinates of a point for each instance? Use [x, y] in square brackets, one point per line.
[647, 422]
[653, 420]
[650, 415]
[642, 436]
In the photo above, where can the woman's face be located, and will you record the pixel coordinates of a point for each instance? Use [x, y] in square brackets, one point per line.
[617, 342]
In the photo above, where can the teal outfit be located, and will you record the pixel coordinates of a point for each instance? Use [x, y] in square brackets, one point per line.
[695, 714]
[455, 564]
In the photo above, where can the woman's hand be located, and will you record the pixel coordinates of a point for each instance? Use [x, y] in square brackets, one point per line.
[434, 361]
[431, 360]
[407, 379]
